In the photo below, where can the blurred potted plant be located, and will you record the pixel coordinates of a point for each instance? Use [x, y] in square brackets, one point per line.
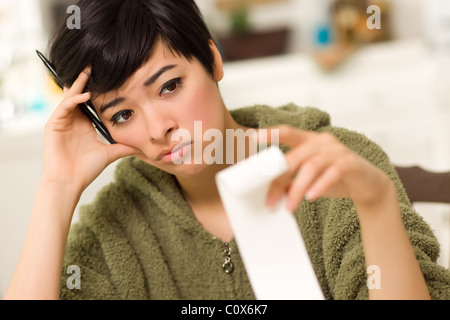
[242, 42]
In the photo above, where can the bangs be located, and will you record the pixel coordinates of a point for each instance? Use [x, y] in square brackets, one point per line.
[116, 51]
[117, 37]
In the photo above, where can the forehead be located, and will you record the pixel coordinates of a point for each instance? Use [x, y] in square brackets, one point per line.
[161, 56]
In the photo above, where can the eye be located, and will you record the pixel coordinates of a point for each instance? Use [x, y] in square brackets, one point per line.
[121, 117]
[170, 86]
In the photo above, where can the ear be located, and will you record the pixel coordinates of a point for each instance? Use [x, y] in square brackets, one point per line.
[218, 62]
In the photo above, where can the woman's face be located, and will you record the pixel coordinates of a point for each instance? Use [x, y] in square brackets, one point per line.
[165, 96]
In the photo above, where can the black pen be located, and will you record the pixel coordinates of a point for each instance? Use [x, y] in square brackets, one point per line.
[86, 107]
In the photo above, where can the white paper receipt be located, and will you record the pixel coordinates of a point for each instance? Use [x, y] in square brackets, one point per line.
[269, 240]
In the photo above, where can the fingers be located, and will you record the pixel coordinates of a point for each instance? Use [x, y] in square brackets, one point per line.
[302, 183]
[74, 95]
[315, 166]
[297, 169]
[70, 103]
[278, 188]
[329, 178]
[79, 84]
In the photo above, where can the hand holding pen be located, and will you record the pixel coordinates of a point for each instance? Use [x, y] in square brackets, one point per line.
[73, 153]
[86, 106]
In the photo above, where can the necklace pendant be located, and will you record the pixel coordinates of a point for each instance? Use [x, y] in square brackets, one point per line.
[227, 266]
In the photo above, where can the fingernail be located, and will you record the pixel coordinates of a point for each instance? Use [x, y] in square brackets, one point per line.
[310, 195]
[290, 205]
[270, 201]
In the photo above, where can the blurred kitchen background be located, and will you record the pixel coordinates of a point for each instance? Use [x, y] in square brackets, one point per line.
[392, 84]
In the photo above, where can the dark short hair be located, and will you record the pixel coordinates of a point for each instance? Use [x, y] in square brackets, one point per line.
[117, 36]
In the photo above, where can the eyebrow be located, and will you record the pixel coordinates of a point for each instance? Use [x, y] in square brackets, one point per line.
[154, 77]
[147, 83]
[111, 104]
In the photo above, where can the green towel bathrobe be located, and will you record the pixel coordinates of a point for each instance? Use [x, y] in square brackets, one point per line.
[140, 240]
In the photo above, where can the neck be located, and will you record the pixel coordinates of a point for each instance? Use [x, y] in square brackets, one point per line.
[202, 190]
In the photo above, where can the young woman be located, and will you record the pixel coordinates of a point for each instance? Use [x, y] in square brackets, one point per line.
[159, 231]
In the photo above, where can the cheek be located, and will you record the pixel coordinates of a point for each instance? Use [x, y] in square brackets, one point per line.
[133, 135]
[205, 106]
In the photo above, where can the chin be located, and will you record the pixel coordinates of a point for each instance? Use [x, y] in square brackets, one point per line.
[181, 170]
[184, 165]
[185, 170]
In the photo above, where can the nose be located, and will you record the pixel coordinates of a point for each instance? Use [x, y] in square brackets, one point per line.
[160, 127]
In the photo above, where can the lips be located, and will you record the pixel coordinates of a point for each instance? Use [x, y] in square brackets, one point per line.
[174, 152]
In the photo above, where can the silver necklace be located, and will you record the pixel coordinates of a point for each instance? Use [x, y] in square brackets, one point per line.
[227, 266]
